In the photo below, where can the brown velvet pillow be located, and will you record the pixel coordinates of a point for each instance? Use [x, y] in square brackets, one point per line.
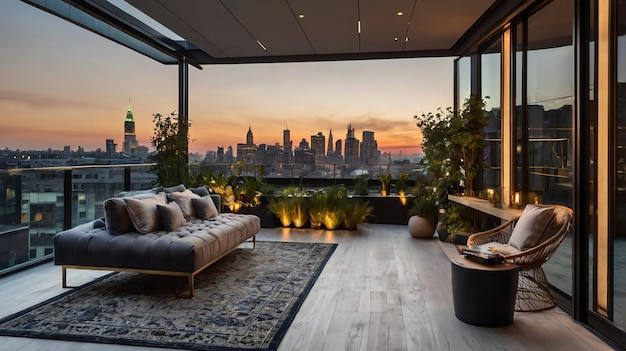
[170, 216]
[205, 207]
[143, 213]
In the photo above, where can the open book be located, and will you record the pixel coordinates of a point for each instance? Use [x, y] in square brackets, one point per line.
[475, 253]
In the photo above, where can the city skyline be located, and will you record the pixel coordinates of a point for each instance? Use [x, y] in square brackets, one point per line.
[62, 85]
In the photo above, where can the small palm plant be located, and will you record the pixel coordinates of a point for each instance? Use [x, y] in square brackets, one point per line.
[384, 179]
[355, 212]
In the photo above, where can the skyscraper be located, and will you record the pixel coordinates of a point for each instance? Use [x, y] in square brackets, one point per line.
[318, 144]
[246, 152]
[130, 139]
[287, 145]
[369, 148]
[351, 153]
[329, 152]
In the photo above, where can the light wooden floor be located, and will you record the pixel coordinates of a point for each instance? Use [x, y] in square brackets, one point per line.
[381, 290]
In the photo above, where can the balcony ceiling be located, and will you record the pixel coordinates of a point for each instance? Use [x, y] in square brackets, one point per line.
[243, 31]
[230, 29]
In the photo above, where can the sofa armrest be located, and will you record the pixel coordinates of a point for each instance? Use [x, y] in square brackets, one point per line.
[217, 200]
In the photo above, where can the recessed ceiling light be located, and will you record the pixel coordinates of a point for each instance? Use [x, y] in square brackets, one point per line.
[400, 13]
[358, 24]
[395, 39]
[406, 39]
[301, 15]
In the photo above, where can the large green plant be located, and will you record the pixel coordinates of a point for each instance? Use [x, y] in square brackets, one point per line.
[170, 151]
[466, 134]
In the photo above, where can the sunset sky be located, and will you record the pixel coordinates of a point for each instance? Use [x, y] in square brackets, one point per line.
[63, 85]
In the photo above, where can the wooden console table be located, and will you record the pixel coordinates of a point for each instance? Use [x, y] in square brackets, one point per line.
[507, 214]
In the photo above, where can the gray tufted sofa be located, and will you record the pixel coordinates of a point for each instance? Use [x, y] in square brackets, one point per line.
[182, 251]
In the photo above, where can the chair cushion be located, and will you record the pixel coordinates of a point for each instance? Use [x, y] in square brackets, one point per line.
[143, 213]
[205, 208]
[530, 226]
[183, 199]
[170, 216]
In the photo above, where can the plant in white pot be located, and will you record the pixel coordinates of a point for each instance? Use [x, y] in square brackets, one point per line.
[424, 213]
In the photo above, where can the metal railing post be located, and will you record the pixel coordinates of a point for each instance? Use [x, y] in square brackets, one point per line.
[67, 199]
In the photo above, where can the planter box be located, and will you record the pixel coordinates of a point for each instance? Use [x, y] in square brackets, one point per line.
[391, 209]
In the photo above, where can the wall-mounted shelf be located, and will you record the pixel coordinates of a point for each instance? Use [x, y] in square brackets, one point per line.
[484, 206]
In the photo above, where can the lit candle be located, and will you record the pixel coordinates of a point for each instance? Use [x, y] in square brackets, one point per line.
[490, 194]
[516, 199]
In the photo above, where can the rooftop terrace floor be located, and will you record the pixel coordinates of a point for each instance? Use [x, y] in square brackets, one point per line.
[381, 290]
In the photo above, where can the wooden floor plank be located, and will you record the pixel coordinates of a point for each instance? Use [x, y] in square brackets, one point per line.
[381, 290]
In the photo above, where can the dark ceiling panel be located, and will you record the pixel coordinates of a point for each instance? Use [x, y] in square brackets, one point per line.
[273, 24]
[382, 29]
[439, 24]
[329, 25]
[207, 24]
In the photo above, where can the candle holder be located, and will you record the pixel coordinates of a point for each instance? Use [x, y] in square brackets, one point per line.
[516, 200]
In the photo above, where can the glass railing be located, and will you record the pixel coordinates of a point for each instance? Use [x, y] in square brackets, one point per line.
[37, 203]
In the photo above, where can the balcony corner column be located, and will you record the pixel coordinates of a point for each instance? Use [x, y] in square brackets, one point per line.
[183, 102]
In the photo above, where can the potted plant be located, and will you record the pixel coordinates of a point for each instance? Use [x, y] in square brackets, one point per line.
[385, 179]
[424, 213]
[467, 138]
[401, 183]
[354, 212]
[361, 185]
[171, 151]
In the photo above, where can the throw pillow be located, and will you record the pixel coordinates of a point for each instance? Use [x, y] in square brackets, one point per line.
[175, 189]
[116, 216]
[200, 191]
[143, 213]
[183, 199]
[170, 216]
[530, 226]
[205, 207]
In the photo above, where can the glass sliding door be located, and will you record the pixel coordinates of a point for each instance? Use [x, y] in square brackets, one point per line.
[546, 131]
[619, 235]
[490, 80]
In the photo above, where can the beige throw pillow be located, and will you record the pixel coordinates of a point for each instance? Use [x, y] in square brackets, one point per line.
[183, 199]
[530, 226]
[143, 213]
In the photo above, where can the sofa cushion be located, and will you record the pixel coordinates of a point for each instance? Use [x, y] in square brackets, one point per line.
[170, 216]
[530, 226]
[143, 212]
[183, 199]
[205, 207]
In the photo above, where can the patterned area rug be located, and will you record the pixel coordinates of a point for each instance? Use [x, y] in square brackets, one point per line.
[245, 301]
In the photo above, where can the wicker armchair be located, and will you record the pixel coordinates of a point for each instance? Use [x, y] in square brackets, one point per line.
[533, 292]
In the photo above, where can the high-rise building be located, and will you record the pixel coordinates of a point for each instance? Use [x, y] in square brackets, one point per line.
[246, 152]
[318, 144]
[130, 139]
[351, 153]
[330, 151]
[220, 154]
[287, 145]
[111, 148]
[369, 148]
[303, 153]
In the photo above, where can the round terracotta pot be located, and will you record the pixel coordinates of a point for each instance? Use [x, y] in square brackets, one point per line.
[420, 227]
